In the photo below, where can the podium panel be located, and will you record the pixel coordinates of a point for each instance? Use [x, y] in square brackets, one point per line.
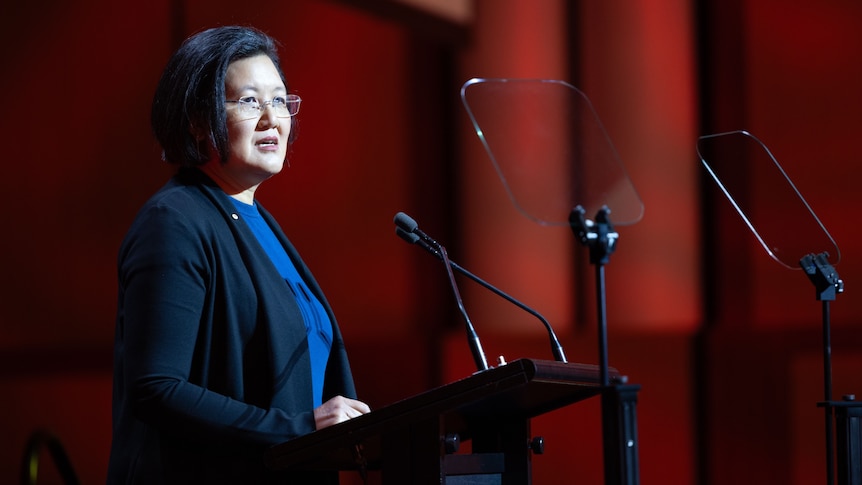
[416, 440]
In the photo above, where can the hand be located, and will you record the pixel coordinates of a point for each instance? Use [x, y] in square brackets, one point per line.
[337, 410]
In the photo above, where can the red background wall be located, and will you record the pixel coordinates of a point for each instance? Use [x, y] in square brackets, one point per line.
[724, 341]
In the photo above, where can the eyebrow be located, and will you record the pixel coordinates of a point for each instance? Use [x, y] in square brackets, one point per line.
[250, 87]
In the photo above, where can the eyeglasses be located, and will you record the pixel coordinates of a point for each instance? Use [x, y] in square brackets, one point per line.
[249, 107]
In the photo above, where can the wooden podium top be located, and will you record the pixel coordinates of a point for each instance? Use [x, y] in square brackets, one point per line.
[521, 389]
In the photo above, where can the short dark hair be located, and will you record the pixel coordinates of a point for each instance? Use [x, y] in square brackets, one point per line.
[190, 97]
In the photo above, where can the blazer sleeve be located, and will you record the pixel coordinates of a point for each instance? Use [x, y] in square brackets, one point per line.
[164, 277]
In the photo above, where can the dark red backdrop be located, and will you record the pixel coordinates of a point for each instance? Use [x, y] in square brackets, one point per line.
[724, 341]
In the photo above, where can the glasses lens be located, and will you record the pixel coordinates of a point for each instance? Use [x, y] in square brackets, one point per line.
[280, 107]
[247, 108]
[292, 104]
[284, 107]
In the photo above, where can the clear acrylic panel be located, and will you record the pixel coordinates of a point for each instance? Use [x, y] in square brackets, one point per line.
[765, 197]
[550, 150]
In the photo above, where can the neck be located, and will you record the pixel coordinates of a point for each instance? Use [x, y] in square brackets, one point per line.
[232, 186]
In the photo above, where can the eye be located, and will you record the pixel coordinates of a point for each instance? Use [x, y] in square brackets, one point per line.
[279, 101]
[249, 101]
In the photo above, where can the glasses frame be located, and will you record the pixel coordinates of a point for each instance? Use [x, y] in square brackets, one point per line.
[249, 108]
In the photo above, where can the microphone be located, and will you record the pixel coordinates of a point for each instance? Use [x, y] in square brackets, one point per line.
[408, 225]
[408, 230]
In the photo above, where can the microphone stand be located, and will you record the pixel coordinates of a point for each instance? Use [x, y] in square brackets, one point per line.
[408, 226]
[619, 416]
[556, 347]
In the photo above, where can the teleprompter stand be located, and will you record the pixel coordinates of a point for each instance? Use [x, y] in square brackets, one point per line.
[785, 239]
[619, 399]
[418, 440]
[551, 152]
[846, 414]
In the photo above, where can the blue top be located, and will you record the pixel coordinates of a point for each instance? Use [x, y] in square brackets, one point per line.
[317, 323]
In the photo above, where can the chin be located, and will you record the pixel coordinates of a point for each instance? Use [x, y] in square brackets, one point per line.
[273, 170]
[273, 166]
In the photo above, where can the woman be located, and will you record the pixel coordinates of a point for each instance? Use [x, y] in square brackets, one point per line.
[225, 344]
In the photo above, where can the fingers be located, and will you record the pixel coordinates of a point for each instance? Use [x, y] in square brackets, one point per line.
[358, 406]
[337, 410]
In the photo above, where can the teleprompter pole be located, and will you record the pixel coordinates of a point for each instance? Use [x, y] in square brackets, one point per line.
[619, 400]
[827, 285]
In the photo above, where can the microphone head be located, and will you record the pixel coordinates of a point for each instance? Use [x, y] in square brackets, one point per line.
[407, 236]
[405, 222]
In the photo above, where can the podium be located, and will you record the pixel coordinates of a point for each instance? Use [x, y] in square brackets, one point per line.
[417, 440]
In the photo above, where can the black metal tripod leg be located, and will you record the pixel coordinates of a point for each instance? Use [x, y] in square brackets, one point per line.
[619, 426]
[848, 423]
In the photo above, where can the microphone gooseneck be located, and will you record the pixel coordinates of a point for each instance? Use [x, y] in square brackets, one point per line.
[408, 230]
[472, 337]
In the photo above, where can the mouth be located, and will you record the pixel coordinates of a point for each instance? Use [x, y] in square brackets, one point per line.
[269, 141]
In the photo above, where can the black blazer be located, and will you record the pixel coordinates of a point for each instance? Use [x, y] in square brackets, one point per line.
[211, 362]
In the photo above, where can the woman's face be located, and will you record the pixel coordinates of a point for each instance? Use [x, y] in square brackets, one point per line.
[258, 146]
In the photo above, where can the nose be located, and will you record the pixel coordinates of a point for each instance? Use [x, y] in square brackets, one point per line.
[268, 119]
